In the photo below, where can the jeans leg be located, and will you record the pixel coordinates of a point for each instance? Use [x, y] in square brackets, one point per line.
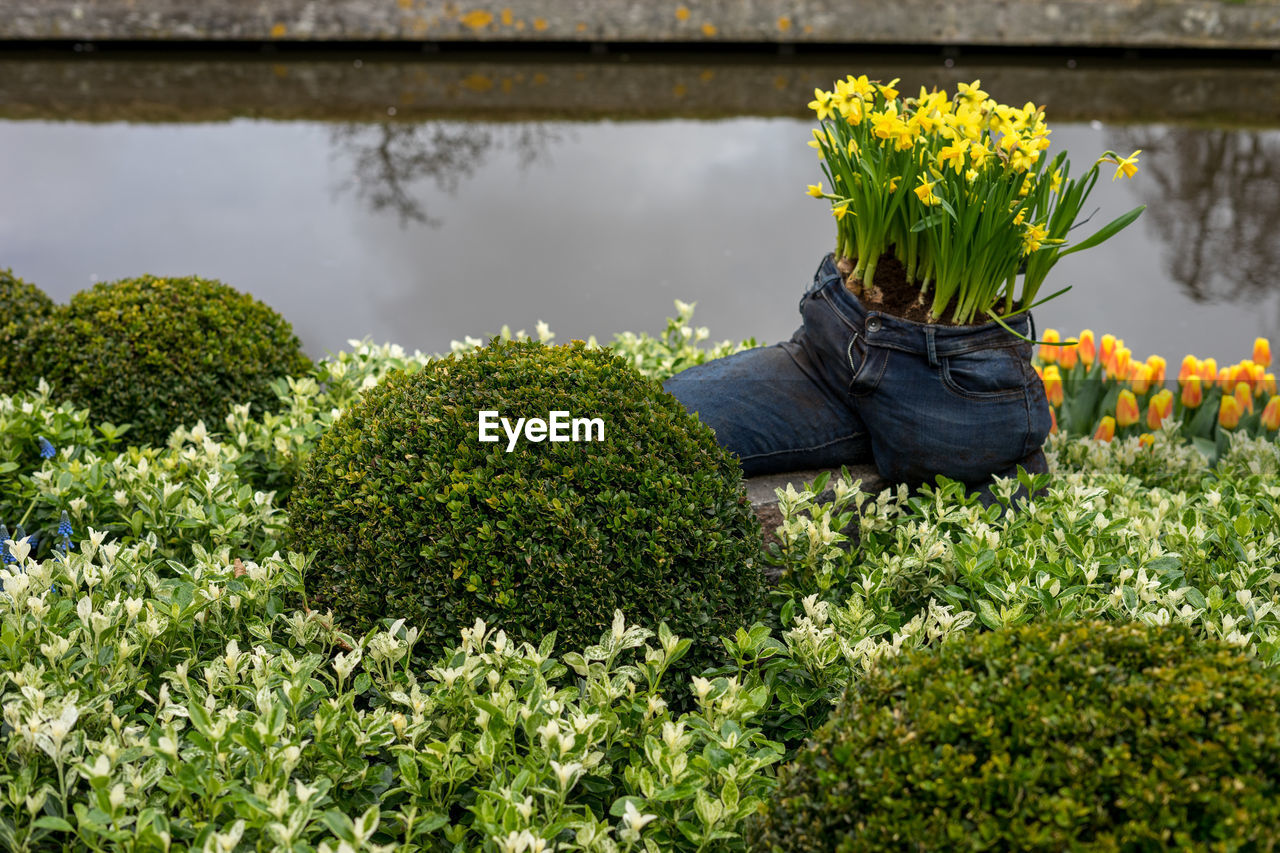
[770, 407]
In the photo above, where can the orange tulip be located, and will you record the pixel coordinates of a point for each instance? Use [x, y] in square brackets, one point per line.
[1224, 378]
[1244, 397]
[1068, 355]
[1140, 376]
[1049, 349]
[1122, 359]
[1190, 367]
[1038, 369]
[1146, 439]
[1053, 422]
[1158, 367]
[1269, 383]
[1127, 409]
[1192, 394]
[1271, 414]
[1229, 412]
[1106, 429]
[1088, 350]
[1208, 370]
[1257, 375]
[1262, 352]
[1053, 385]
[1107, 353]
[1242, 372]
[1159, 407]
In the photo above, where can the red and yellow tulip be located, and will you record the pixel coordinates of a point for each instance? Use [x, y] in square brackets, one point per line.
[1106, 429]
[1158, 367]
[1244, 397]
[1190, 367]
[1271, 414]
[1262, 352]
[1159, 407]
[1088, 349]
[1208, 370]
[1127, 409]
[1192, 393]
[1053, 385]
[1229, 413]
[1049, 349]
[1107, 353]
[1068, 356]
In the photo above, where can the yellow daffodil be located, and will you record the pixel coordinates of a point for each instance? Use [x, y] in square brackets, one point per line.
[1033, 238]
[925, 191]
[822, 105]
[816, 191]
[888, 91]
[839, 211]
[970, 92]
[1126, 166]
[953, 155]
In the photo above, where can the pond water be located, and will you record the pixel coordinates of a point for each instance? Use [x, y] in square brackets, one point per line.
[435, 223]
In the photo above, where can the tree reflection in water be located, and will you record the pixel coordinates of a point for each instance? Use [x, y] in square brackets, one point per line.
[1213, 196]
[389, 161]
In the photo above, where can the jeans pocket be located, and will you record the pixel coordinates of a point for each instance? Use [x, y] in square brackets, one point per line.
[986, 374]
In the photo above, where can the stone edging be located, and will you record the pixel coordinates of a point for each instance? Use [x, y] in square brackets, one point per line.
[1222, 24]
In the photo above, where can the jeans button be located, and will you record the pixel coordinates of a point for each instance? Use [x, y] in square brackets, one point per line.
[873, 324]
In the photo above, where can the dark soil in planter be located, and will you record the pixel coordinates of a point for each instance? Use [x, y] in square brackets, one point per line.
[900, 298]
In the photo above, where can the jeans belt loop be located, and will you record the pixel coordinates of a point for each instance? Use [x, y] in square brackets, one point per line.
[929, 332]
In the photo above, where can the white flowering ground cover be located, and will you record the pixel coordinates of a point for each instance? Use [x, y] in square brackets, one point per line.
[163, 685]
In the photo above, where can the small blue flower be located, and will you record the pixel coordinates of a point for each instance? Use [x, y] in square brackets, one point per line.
[47, 450]
[5, 557]
[64, 526]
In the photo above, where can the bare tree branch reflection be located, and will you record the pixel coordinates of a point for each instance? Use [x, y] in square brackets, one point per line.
[388, 162]
[1214, 198]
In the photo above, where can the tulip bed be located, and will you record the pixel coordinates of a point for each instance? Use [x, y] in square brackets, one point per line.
[164, 686]
[1101, 390]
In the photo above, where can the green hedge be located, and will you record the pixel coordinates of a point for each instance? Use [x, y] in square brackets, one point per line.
[24, 309]
[1050, 736]
[411, 516]
[159, 353]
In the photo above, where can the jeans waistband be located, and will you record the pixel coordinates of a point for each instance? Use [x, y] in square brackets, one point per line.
[932, 339]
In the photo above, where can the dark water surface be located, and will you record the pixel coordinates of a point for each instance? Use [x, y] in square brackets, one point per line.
[440, 221]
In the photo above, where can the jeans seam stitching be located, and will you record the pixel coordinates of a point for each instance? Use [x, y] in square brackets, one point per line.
[835, 306]
[804, 449]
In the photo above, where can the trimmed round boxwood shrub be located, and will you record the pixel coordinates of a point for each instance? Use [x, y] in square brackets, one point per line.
[24, 309]
[158, 353]
[411, 516]
[1050, 736]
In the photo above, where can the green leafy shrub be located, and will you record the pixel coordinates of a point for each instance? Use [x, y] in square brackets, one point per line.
[24, 308]
[411, 516]
[1048, 736]
[158, 353]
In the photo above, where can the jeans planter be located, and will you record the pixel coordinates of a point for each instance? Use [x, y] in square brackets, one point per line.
[855, 386]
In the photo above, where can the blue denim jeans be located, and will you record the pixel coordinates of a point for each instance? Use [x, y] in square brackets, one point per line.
[856, 386]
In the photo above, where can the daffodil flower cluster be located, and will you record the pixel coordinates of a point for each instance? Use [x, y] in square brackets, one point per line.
[956, 187]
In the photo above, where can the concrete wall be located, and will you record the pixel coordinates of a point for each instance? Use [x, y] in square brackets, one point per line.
[1127, 23]
[380, 88]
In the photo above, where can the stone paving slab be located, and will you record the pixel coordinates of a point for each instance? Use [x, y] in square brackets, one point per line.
[1110, 23]
[762, 491]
